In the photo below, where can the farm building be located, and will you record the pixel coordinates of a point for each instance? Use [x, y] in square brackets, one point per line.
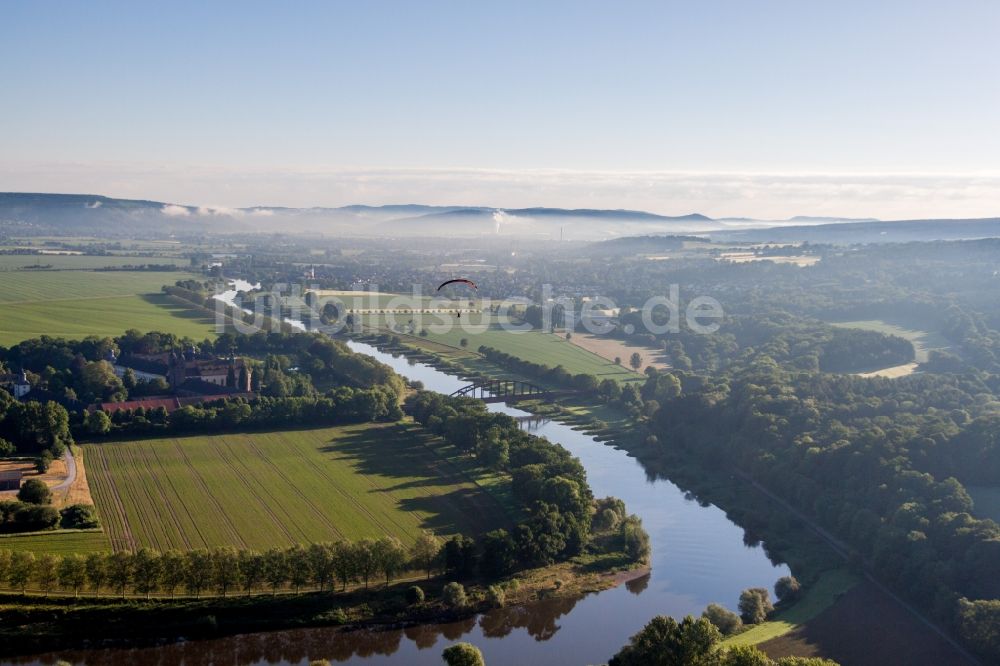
[10, 480]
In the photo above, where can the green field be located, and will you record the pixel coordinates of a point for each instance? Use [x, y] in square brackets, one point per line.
[267, 489]
[102, 316]
[923, 340]
[986, 501]
[72, 302]
[817, 598]
[63, 262]
[60, 542]
[544, 348]
[44, 286]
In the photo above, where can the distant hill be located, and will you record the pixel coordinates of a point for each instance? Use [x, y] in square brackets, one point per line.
[899, 231]
[91, 214]
[95, 214]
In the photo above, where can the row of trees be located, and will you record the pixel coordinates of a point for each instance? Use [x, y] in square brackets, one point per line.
[336, 406]
[319, 566]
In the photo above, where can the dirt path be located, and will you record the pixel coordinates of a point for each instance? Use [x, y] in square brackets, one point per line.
[70, 473]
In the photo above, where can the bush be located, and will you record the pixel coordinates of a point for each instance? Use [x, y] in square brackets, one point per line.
[414, 595]
[725, 620]
[34, 491]
[787, 589]
[43, 462]
[453, 595]
[755, 604]
[35, 517]
[463, 654]
[79, 517]
[496, 596]
[6, 448]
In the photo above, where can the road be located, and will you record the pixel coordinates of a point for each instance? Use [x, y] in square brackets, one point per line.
[70, 472]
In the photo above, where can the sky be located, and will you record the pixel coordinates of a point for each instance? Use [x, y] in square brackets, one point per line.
[885, 109]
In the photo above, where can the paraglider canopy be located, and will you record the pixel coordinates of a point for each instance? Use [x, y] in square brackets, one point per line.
[460, 280]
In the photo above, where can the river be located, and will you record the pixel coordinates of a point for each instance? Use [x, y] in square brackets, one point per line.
[699, 557]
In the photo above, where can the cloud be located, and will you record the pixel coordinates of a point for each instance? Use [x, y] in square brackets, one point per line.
[219, 211]
[765, 195]
[171, 210]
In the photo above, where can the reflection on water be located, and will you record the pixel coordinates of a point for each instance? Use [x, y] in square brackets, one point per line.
[699, 557]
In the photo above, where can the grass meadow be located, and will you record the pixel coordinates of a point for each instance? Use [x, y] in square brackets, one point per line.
[817, 598]
[277, 488]
[545, 348]
[923, 340]
[70, 301]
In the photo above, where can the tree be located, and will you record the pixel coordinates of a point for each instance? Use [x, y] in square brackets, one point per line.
[128, 379]
[22, 568]
[79, 517]
[755, 604]
[499, 553]
[463, 654]
[391, 557]
[425, 551]
[225, 571]
[46, 571]
[414, 595]
[73, 573]
[745, 655]
[618, 360]
[787, 589]
[366, 559]
[120, 570]
[98, 382]
[725, 620]
[34, 491]
[97, 571]
[635, 360]
[98, 423]
[172, 571]
[298, 567]
[464, 342]
[635, 539]
[453, 595]
[665, 642]
[321, 565]
[43, 462]
[250, 565]
[344, 562]
[197, 571]
[275, 565]
[146, 571]
[5, 556]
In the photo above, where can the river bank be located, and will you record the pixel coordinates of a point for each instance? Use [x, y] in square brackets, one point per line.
[34, 622]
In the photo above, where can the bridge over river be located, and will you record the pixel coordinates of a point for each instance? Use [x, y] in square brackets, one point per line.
[507, 391]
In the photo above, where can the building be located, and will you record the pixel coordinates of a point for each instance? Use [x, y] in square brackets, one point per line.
[10, 480]
[189, 368]
[140, 375]
[16, 383]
